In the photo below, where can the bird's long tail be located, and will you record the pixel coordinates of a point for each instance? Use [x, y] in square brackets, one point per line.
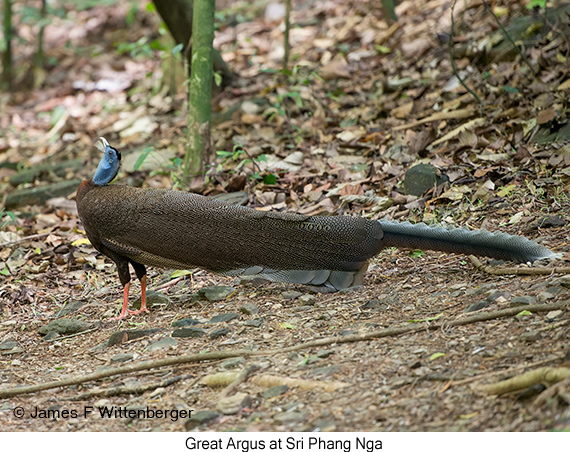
[497, 245]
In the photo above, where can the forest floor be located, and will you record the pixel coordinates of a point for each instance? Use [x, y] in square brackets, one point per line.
[410, 350]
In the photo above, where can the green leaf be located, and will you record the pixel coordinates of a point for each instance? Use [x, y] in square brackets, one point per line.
[510, 89]
[4, 271]
[382, 49]
[525, 312]
[417, 253]
[288, 326]
[218, 78]
[142, 157]
[156, 45]
[179, 273]
[270, 179]
[56, 114]
[296, 96]
[436, 355]
[348, 122]
[534, 3]
[9, 214]
[429, 319]
[506, 190]
[177, 49]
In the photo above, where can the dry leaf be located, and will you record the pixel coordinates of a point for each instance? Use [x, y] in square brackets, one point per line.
[335, 69]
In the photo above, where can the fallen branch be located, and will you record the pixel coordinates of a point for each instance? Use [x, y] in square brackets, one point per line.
[386, 332]
[240, 378]
[506, 371]
[268, 381]
[195, 357]
[211, 356]
[519, 271]
[557, 388]
[132, 389]
[545, 375]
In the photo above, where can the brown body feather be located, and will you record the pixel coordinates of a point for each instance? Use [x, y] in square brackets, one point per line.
[173, 229]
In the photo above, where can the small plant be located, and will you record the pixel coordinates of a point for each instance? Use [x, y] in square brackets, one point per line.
[176, 171]
[143, 48]
[144, 154]
[239, 153]
[417, 254]
[297, 78]
[6, 217]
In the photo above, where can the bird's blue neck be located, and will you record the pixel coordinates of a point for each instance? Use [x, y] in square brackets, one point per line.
[108, 166]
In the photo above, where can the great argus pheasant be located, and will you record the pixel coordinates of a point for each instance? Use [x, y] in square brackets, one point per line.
[178, 230]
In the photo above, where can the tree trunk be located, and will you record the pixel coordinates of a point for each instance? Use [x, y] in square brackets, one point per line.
[7, 55]
[200, 97]
[177, 15]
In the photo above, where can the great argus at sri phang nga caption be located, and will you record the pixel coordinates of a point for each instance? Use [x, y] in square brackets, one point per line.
[315, 443]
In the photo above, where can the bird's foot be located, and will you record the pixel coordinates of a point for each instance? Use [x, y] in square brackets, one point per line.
[138, 311]
[121, 316]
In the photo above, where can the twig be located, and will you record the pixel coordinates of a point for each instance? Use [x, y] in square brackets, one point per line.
[170, 283]
[252, 159]
[61, 338]
[24, 239]
[439, 116]
[506, 34]
[452, 58]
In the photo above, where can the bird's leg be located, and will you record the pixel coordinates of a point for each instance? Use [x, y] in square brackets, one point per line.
[143, 298]
[124, 309]
[125, 277]
[140, 270]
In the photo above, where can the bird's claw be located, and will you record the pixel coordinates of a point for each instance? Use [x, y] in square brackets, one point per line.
[138, 311]
[121, 316]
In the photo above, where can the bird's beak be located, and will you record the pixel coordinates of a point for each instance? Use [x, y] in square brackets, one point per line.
[102, 144]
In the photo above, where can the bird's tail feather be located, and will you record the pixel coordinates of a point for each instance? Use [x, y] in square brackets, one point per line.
[497, 245]
[336, 279]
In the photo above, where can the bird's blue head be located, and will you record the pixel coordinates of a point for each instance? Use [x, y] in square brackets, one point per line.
[109, 164]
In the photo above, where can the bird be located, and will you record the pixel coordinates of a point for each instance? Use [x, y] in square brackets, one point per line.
[142, 227]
